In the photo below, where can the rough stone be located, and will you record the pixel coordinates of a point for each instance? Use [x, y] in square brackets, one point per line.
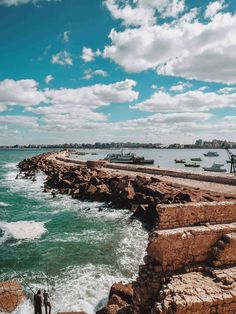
[11, 296]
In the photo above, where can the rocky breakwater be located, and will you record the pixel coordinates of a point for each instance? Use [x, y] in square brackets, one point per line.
[141, 194]
[11, 295]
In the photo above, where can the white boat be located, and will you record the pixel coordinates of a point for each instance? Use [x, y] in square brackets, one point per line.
[128, 158]
[211, 154]
[215, 168]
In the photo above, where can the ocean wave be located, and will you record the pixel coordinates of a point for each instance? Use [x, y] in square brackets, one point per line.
[21, 230]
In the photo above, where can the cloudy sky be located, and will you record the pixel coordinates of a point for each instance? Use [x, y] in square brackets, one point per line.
[117, 70]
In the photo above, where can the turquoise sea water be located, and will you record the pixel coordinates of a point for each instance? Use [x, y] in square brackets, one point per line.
[81, 251]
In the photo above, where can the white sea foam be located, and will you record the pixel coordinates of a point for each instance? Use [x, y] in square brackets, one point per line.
[25, 308]
[10, 165]
[131, 248]
[82, 288]
[22, 230]
[3, 204]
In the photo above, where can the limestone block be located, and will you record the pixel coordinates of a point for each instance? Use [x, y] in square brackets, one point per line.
[11, 295]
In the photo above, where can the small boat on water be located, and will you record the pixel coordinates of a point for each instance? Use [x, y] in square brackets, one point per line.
[128, 158]
[196, 159]
[192, 164]
[180, 161]
[211, 154]
[215, 168]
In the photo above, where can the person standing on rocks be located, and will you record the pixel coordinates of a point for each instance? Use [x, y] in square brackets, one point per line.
[47, 304]
[38, 303]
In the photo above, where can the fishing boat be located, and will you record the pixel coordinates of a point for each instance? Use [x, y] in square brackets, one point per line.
[192, 164]
[215, 168]
[196, 159]
[128, 158]
[211, 154]
[180, 161]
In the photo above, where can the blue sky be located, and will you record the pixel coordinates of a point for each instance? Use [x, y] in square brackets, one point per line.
[115, 70]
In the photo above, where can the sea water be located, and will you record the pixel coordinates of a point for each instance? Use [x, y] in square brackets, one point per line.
[61, 244]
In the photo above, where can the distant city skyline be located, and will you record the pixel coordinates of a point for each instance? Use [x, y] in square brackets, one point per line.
[159, 71]
[198, 144]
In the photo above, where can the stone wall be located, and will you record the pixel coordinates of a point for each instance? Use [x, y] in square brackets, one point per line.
[173, 249]
[180, 215]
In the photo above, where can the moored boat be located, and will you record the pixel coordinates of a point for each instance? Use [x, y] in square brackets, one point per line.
[215, 168]
[211, 154]
[128, 158]
[192, 164]
[180, 161]
[196, 159]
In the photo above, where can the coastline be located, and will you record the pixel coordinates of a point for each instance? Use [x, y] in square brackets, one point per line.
[125, 188]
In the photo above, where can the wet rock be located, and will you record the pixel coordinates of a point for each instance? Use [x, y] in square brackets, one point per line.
[95, 180]
[64, 184]
[91, 190]
[124, 291]
[140, 212]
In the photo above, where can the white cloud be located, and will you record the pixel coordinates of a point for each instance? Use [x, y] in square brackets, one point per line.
[180, 86]
[89, 73]
[63, 58]
[143, 12]
[22, 92]
[193, 50]
[10, 3]
[192, 101]
[66, 36]
[227, 90]
[23, 121]
[48, 79]
[69, 108]
[93, 96]
[89, 55]
[154, 86]
[131, 16]
[213, 8]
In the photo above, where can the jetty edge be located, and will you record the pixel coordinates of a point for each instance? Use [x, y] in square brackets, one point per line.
[190, 265]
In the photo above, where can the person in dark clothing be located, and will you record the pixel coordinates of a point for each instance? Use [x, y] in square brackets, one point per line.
[38, 303]
[47, 304]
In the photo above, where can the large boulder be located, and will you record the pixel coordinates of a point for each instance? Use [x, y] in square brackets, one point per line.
[11, 295]
[124, 291]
